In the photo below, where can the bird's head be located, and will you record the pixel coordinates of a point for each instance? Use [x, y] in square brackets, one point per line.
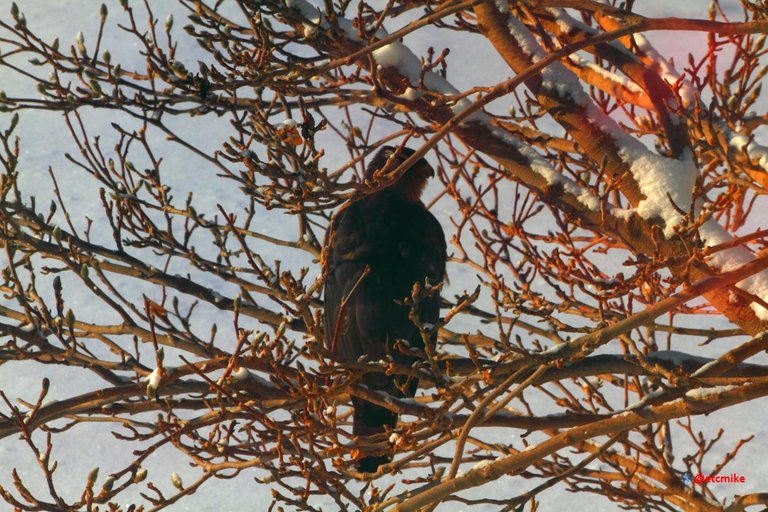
[411, 183]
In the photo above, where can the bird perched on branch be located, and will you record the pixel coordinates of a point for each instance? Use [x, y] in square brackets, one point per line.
[377, 248]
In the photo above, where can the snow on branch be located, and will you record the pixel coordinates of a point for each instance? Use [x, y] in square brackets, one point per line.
[396, 55]
[667, 184]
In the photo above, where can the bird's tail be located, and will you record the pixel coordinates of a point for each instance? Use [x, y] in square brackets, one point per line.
[369, 423]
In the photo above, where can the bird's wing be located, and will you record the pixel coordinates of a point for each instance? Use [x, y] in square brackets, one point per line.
[353, 309]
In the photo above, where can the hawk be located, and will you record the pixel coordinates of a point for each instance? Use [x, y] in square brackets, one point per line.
[376, 249]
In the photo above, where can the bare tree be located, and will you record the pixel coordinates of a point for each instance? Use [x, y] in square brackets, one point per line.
[584, 256]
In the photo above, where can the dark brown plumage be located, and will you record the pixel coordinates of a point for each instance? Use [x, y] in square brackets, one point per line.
[400, 242]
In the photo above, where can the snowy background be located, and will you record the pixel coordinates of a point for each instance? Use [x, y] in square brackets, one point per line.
[45, 140]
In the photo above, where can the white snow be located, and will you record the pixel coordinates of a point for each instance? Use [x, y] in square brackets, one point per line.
[397, 55]
[622, 213]
[564, 22]
[756, 152]
[666, 70]
[704, 368]
[703, 393]
[554, 350]
[666, 183]
[555, 77]
[608, 75]
[317, 19]
[541, 166]
[306, 9]
[410, 94]
[730, 259]
[482, 464]
[153, 380]
[643, 401]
